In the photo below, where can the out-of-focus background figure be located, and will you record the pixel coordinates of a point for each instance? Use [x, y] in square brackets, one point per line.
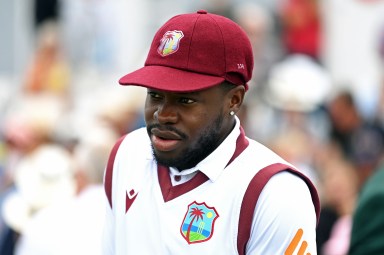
[317, 98]
[37, 170]
[368, 221]
[48, 71]
[72, 219]
[301, 27]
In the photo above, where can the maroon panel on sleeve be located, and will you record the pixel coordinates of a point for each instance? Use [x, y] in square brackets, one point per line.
[252, 195]
[109, 170]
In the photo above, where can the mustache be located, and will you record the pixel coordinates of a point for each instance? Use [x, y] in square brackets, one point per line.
[166, 128]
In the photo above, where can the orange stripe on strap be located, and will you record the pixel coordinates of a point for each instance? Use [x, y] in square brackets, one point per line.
[294, 243]
[302, 249]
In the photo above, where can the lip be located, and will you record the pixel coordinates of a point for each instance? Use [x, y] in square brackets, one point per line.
[165, 140]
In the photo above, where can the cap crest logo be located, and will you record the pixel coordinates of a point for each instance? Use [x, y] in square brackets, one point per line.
[169, 43]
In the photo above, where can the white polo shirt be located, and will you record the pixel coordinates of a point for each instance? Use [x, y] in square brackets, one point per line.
[207, 210]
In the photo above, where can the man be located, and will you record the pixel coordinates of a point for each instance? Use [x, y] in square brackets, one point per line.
[191, 182]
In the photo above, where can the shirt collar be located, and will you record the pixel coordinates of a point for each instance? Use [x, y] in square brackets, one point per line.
[213, 165]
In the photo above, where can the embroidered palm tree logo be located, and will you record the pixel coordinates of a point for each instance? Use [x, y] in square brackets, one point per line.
[198, 223]
[170, 42]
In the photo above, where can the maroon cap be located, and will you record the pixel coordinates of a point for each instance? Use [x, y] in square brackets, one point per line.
[195, 51]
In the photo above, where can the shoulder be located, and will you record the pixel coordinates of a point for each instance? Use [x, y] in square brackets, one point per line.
[285, 211]
[291, 192]
[286, 185]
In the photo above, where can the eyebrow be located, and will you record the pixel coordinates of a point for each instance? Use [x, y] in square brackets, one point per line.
[192, 93]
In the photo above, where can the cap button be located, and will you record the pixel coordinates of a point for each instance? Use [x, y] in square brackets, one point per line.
[202, 12]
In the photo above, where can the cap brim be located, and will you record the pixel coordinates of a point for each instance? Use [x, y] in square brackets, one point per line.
[170, 79]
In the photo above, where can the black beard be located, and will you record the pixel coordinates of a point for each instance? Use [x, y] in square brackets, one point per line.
[207, 143]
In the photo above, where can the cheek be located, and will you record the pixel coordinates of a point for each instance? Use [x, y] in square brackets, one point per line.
[197, 119]
[198, 122]
[148, 114]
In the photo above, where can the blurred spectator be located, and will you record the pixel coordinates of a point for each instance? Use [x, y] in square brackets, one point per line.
[293, 97]
[112, 108]
[76, 223]
[340, 189]
[29, 122]
[120, 109]
[298, 83]
[48, 72]
[368, 219]
[361, 141]
[42, 177]
[45, 10]
[29, 151]
[301, 27]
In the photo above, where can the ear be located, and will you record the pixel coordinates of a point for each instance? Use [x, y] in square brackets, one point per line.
[236, 98]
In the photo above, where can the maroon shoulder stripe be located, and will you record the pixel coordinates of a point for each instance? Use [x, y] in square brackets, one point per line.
[252, 195]
[109, 170]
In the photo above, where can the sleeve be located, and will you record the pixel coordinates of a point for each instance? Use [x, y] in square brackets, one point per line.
[284, 220]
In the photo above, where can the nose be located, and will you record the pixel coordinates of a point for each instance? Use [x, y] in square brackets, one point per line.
[166, 114]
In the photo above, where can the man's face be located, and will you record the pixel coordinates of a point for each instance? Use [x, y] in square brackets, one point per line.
[184, 128]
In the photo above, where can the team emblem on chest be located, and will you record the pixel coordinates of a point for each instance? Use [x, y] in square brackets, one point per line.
[198, 223]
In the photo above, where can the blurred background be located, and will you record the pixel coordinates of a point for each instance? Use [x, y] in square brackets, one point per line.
[316, 98]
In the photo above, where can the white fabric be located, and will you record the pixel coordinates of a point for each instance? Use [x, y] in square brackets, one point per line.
[277, 222]
[152, 226]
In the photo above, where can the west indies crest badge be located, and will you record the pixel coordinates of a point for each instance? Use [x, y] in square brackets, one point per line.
[198, 223]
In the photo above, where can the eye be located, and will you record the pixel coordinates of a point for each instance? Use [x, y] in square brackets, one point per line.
[185, 100]
[154, 95]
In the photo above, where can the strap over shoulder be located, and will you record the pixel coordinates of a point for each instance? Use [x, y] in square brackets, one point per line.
[253, 192]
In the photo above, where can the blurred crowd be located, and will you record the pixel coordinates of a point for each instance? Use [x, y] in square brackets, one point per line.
[59, 124]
